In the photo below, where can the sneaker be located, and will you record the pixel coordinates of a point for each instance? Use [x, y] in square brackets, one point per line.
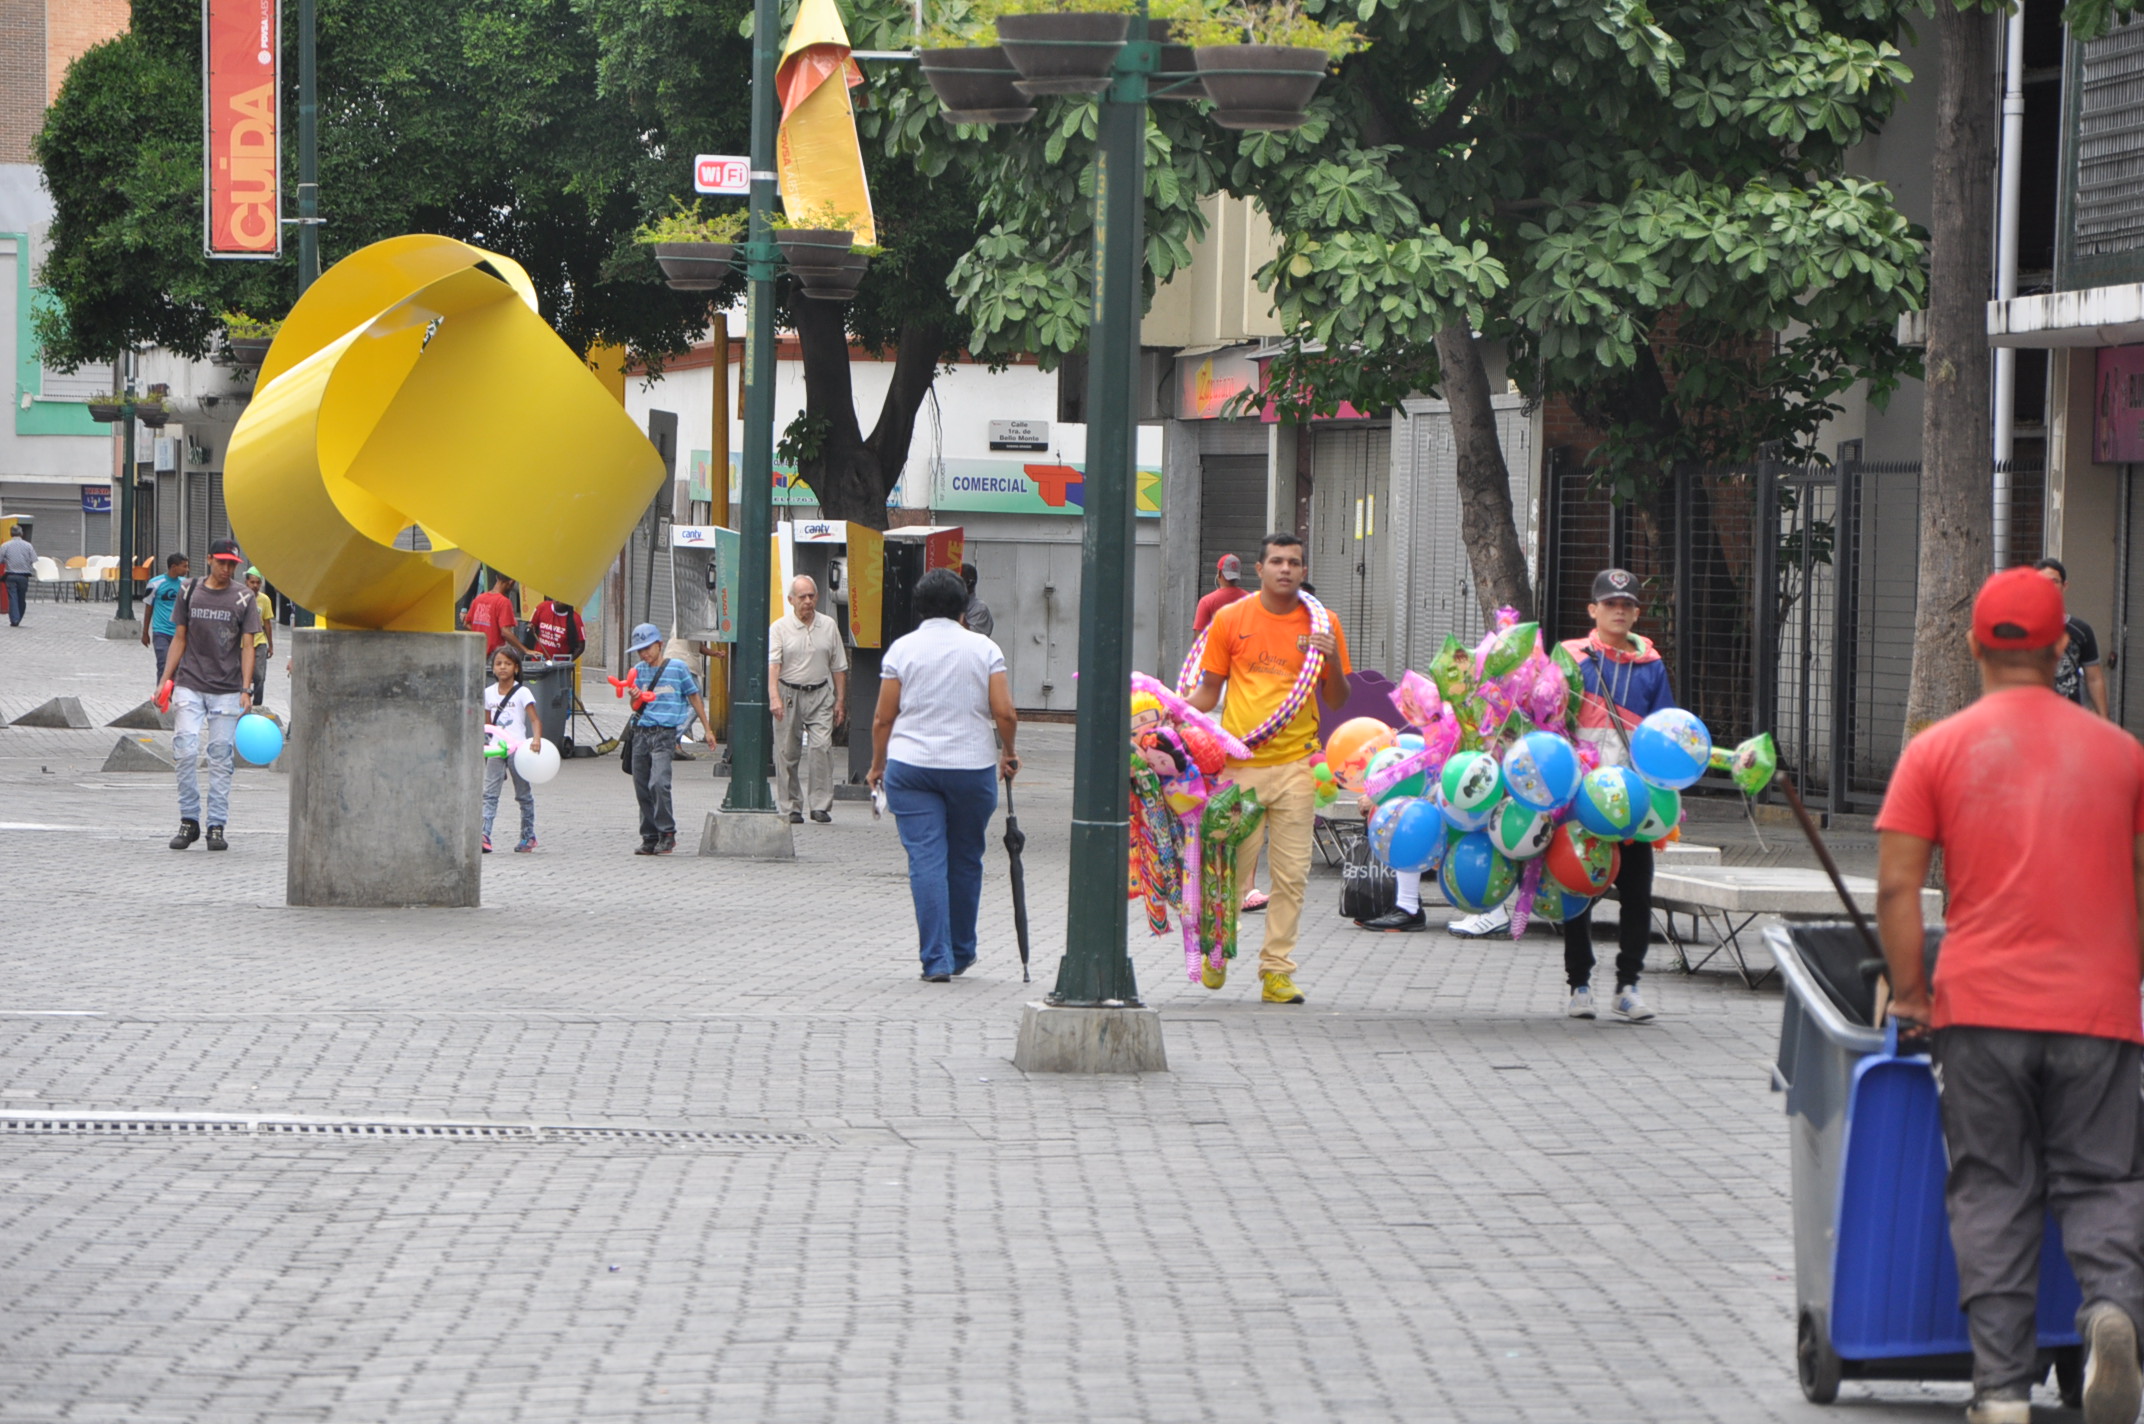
[1396, 921]
[216, 840]
[1254, 902]
[2012, 1404]
[1280, 989]
[667, 845]
[930, 978]
[1581, 1005]
[796, 818]
[824, 818]
[1213, 975]
[1628, 1005]
[2113, 1385]
[189, 832]
[487, 843]
[645, 848]
[524, 845]
[1481, 926]
[960, 969]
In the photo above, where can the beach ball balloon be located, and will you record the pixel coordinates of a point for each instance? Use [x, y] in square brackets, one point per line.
[259, 740]
[1380, 832]
[1541, 771]
[1520, 832]
[1662, 817]
[1413, 785]
[1409, 741]
[1553, 904]
[1612, 800]
[1349, 749]
[1417, 836]
[1671, 748]
[1472, 782]
[1474, 876]
[537, 762]
[1581, 862]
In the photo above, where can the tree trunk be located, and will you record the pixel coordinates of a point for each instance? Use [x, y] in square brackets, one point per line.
[1486, 525]
[852, 475]
[1955, 423]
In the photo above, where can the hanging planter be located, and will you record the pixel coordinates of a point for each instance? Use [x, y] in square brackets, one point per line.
[248, 351]
[246, 339]
[975, 86]
[152, 414]
[694, 266]
[814, 249]
[1063, 52]
[104, 410]
[1178, 77]
[1260, 86]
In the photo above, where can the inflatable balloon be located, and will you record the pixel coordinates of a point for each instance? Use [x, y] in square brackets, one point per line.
[1417, 838]
[259, 740]
[1474, 877]
[1380, 831]
[1552, 904]
[1612, 801]
[1416, 698]
[1472, 784]
[537, 762]
[1661, 817]
[1413, 784]
[1349, 749]
[1751, 764]
[1541, 771]
[1671, 748]
[1518, 831]
[1581, 862]
[1327, 789]
[1510, 648]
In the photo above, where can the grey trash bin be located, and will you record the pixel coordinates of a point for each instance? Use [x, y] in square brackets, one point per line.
[550, 680]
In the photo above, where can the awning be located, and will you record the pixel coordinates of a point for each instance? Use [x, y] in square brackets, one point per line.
[2093, 316]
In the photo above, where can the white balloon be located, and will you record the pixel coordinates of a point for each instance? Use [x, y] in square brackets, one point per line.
[537, 762]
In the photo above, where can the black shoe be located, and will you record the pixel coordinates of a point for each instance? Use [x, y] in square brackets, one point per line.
[667, 845]
[824, 818]
[645, 848]
[1396, 921]
[189, 832]
[930, 978]
[796, 818]
[216, 840]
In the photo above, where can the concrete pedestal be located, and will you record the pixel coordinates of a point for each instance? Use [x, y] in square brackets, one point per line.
[1059, 1039]
[123, 630]
[748, 835]
[387, 780]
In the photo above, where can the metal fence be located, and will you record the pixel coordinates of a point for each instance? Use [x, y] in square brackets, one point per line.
[1781, 596]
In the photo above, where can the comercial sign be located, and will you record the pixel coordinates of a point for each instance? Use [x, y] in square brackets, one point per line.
[723, 174]
[1020, 487]
[242, 117]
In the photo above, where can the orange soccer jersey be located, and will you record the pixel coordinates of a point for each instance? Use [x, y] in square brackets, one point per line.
[1260, 654]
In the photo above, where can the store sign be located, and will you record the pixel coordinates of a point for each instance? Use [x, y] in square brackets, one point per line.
[1016, 487]
[242, 116]
[2118, 407]
[1029, 435]
[96, 499]
[1206, 384]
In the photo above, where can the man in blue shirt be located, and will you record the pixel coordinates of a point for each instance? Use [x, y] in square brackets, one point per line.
[654, 734]
[162, 596]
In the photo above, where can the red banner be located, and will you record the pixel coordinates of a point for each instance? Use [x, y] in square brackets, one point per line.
[240, 44]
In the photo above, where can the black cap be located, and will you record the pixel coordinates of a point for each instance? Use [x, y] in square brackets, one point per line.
[1615, 583]
[226, 549]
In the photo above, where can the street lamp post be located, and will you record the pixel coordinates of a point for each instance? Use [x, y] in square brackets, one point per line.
[127, 501]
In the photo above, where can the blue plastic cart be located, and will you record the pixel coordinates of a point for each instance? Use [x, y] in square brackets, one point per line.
[1876, 1284]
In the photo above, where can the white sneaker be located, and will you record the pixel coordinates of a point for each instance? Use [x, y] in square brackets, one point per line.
[2113, 1388]
[1628, 1005]
[1581, 1005]
[1481, 926]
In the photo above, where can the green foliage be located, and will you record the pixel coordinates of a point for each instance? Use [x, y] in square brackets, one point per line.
[683, 224]
[804, 440]
[824, 217]
[241, 327]
[995, 8]
[1277, 22]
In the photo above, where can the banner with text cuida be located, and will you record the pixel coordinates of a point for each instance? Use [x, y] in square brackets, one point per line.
[241, 42]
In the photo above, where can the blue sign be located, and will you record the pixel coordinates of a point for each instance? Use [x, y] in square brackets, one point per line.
[96, 499]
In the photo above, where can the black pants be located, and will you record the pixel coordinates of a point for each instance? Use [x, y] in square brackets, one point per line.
[2039, 1122]
[1634, 892]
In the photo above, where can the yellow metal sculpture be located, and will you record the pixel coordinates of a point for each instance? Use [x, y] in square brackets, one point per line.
[415, 416]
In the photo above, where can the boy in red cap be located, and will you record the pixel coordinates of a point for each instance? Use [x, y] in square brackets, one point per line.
[2039, 808]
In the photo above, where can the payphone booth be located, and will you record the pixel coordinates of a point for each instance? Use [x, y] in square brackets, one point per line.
[848, 562]
[910, 554]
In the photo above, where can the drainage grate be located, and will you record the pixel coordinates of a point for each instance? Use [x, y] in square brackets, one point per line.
[161, 1125]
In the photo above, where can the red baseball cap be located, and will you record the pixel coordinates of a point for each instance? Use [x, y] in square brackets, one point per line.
[2018, 608]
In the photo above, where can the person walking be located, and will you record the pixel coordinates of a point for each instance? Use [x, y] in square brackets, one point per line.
[511, 707]
[2078, 675]
[492, 613]
[210, 667]
[942, 691]
[263, 641]
[976, 616]
[2038, 808]
[1227, 580]
[18, 560]
[654, 732]
[162, 596]
[808, 693]
[1268, 652]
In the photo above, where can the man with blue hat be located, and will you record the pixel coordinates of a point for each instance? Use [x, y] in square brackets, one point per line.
[667, 697]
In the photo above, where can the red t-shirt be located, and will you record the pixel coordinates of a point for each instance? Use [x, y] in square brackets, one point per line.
[1213, 603]
[488, 613]
[557, 634]
[2037, 805]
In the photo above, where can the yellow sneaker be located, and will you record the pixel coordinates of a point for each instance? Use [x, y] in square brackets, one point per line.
[1213, 975]
[1280, 989]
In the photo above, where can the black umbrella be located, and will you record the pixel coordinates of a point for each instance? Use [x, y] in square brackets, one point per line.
[1015, 842]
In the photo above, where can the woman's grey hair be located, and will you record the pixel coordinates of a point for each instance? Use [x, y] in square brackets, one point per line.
[940, 594]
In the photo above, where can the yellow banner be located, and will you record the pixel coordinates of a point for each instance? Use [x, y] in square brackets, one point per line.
[816, 149]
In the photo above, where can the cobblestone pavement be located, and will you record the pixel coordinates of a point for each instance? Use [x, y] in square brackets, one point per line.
[1424, 1195]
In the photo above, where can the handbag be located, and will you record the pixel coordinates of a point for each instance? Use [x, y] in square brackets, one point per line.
[1368, 887]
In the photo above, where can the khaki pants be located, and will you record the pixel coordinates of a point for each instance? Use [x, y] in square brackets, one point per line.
[1288, 793]
[807, 728]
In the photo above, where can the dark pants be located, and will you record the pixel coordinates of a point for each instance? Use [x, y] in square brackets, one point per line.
[1634, 896]
[260, 676]
[653, 749]
[18, 592]
[160, 644]
[2039, 1122]
[943, 816]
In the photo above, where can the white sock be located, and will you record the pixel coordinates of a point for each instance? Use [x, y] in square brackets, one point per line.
[1410, 890]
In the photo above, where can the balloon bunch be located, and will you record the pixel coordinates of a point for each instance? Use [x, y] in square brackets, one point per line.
[534, 760]
[1187, 823]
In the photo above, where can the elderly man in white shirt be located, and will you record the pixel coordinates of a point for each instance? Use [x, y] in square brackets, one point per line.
[807, 690]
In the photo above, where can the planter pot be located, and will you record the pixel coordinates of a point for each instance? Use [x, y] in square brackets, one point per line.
[846, 266]
[1179, 72]
[248, 350]
[694, 266]
[153, 416]
[1063, 54]
[1260, 86]
[104, 412]
[975, 86]
[813, 248]
[836, 287]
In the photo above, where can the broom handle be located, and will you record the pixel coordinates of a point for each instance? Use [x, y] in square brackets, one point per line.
[1831, 867]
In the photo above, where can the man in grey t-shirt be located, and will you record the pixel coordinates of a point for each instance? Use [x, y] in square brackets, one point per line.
[18, 560]
[210, 669]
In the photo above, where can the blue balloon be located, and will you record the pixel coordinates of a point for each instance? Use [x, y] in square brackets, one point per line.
[1613, 802]
[1541, 772]
[1671, 748]
[1475, 877]
[259, 739]
[1417, 836]
[1553, 904]
[1382, 822]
